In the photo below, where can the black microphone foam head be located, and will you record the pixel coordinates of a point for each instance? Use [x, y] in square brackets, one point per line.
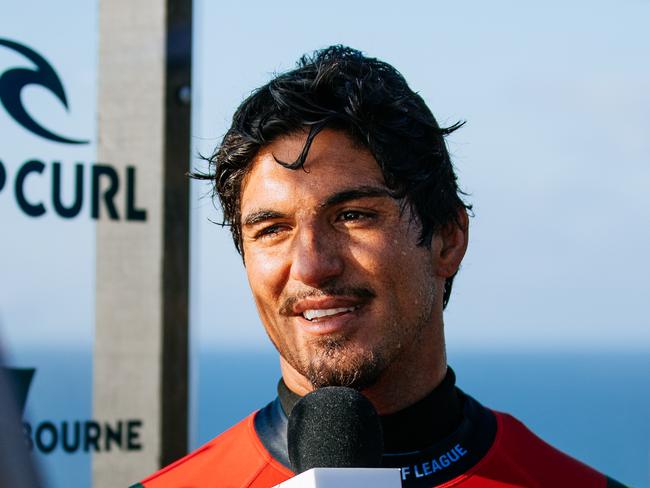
[334, 427]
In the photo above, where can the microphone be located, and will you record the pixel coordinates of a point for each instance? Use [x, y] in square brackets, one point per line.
[336, 441]
[334, 427]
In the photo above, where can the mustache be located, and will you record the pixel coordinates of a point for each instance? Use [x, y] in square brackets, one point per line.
[362, 292]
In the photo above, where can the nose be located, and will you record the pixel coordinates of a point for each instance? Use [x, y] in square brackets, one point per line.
[316, 258]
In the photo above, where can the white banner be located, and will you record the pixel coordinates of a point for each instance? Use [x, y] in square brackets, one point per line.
[52, 191]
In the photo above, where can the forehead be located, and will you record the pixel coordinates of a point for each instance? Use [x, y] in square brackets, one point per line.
[334, 162]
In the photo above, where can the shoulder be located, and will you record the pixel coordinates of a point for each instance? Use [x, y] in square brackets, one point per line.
[518, 457]
[234, 459]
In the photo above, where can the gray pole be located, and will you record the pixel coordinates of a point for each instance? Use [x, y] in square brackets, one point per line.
[140, 360]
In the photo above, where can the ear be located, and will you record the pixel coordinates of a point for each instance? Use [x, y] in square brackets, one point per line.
[453, 244]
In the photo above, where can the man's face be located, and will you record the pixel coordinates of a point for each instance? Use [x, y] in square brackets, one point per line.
[341, 286]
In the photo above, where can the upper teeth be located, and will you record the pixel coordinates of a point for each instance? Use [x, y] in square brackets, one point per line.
[313, 314]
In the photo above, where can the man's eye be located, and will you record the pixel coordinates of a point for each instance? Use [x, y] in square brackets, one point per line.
[269, 231]
[353, 215]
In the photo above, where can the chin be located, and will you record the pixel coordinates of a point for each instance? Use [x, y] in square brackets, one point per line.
[336, 364]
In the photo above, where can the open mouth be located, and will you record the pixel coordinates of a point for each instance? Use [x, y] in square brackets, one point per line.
[315, 315]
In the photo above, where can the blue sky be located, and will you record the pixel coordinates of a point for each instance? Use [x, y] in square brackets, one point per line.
[554, 155]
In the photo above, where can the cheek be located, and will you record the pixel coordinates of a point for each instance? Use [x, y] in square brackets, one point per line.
[389, 257]
[266, 272]
[361, 257]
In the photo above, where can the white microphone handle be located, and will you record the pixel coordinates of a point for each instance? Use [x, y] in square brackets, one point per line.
[345, 478]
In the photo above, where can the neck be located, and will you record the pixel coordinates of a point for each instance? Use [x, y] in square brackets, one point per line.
[411, 378]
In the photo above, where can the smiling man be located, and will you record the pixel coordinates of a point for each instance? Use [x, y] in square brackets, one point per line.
[347, 295]
[343, 202]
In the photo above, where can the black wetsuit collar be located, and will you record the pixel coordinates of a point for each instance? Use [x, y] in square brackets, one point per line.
[433, 418]
[444, 455]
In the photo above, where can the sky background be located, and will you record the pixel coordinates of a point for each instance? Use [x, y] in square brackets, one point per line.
[554, 156]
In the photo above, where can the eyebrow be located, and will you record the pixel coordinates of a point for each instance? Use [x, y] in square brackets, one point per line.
[260, 216]
[337, 198]
[355, 194]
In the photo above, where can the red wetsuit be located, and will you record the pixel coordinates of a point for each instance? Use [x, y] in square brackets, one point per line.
[509, 455]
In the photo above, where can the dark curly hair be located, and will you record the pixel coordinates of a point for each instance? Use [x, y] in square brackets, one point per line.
[338, 87]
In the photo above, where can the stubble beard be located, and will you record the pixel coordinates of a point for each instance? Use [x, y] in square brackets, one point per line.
[336, 365]
[336, 361]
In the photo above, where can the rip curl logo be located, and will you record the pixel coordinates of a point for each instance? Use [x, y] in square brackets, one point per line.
[14, 80]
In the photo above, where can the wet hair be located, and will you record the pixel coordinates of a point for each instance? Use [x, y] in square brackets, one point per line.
[340, 88]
